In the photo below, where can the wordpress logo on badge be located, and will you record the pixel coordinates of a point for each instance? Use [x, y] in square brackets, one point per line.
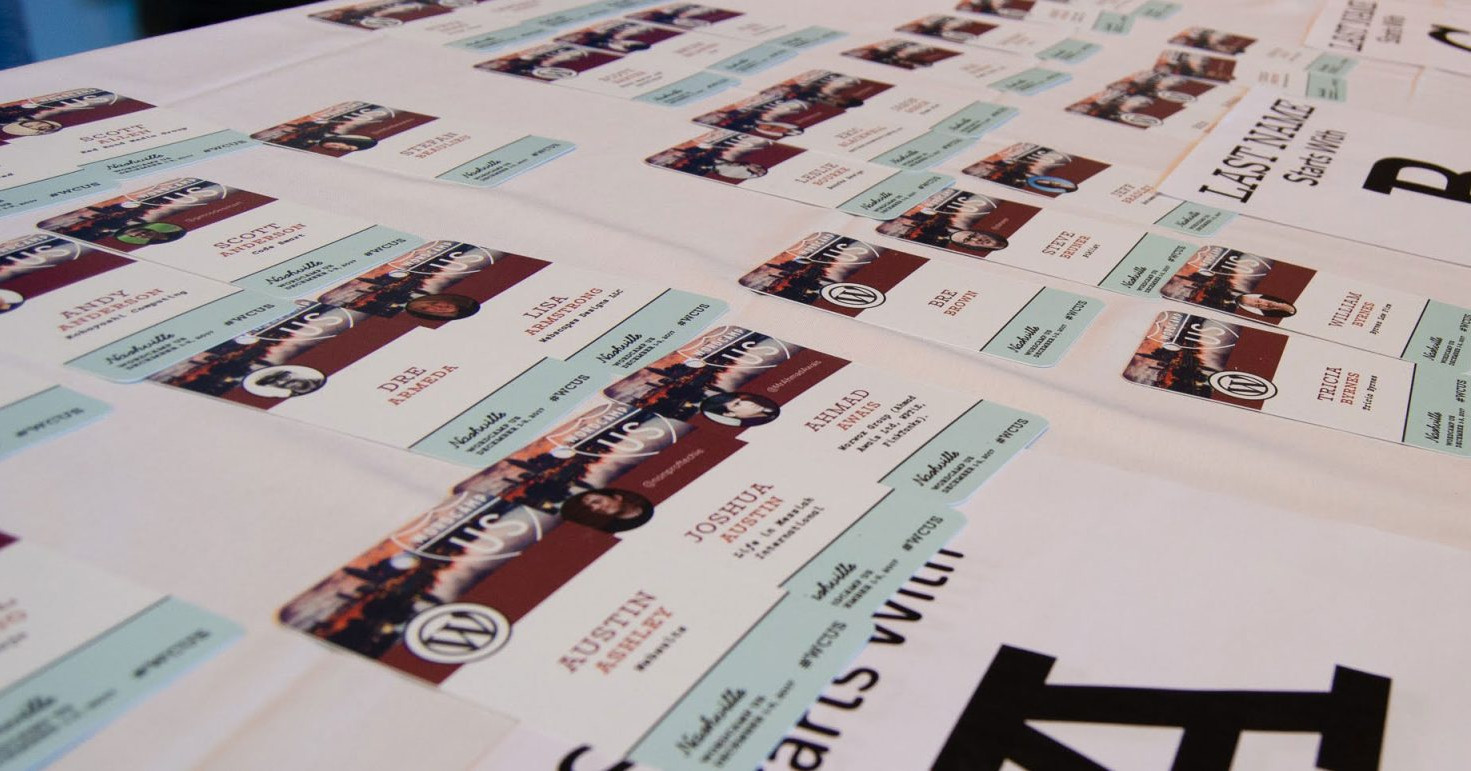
[554, 73]
[457, 633]
[1243, 385]
[850, 295]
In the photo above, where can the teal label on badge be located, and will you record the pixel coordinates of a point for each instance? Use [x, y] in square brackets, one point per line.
[896, 195]
[1437, 416]
[1333, 64]
[35, 419]
[513, 415]
[1157, 9]
[330, 264]
[618, 6]
[1043, 331]
[809, 37]
[692, 88]
[755, 59]
[70, 699]
[871, 560]
[178, 153]
[925, 151]
[583, 13]
[977, 119]
[500, 165]
[139, 355]
[1149, 264]
[667, 322]
[1113, 23]
[1032, 81]
[571, 16]
[52, 190]
[1196, 219]
[500, 38]
[953, 465]
[1440, 337]
[738, 711]
[1071, 51]
[1328, 87]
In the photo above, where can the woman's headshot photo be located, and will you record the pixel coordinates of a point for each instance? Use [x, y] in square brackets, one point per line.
[608, 509]
[740, 409]
[442, 307]
[151, 233]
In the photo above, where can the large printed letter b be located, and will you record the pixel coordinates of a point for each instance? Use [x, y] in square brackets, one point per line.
[1385, 177]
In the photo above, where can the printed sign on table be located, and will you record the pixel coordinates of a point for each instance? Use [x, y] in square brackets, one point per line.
[1426, 34]
[931, 687]
[1336, 170]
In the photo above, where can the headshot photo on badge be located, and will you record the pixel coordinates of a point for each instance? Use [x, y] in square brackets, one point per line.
[283, 381]
[442, 307]
[737, 408]
[608, 509]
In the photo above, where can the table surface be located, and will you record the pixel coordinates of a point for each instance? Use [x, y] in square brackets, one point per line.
[239, 511]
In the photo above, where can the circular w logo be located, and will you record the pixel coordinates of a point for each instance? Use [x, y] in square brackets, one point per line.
[852, 295]
[457, 633]
[1243, 385]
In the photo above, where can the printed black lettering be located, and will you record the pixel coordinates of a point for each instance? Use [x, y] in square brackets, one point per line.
[1384, 177]
[994, 727]
[1440, 33]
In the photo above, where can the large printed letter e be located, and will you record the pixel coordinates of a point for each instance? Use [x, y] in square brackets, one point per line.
[1385, 177]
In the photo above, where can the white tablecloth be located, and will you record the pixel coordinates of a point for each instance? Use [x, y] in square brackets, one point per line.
[238, 511]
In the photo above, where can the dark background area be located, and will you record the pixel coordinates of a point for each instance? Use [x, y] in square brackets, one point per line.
[32, 30]
[162, 16]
